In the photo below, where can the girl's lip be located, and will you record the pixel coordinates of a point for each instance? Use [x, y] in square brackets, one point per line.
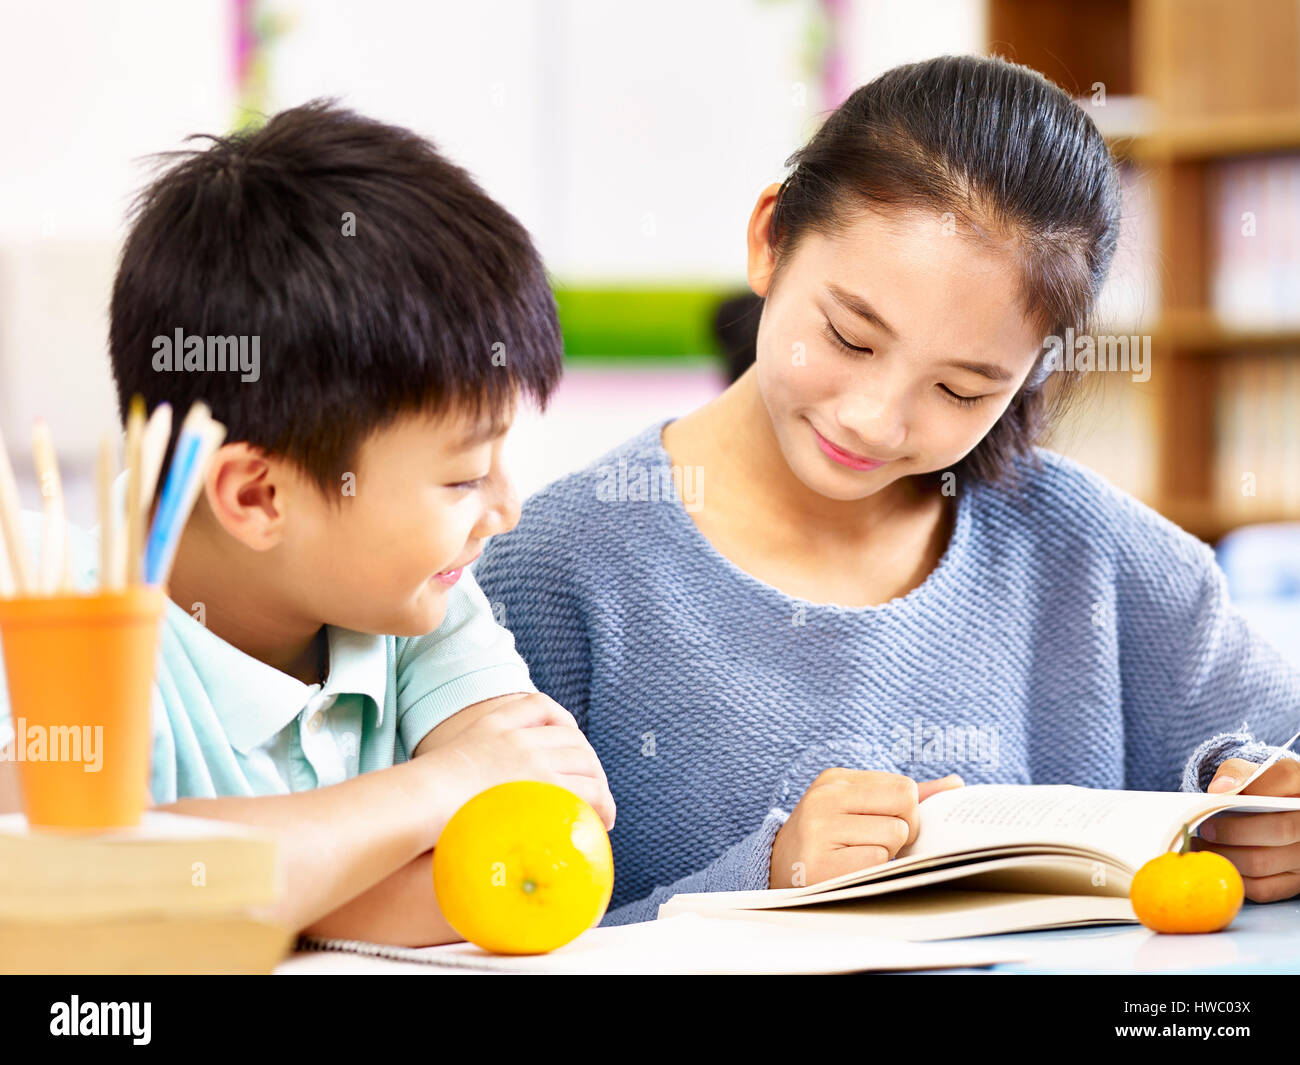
[845, 458]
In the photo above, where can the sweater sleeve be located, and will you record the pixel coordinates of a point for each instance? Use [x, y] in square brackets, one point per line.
[742, 867]
[533, 593]
[1209, 688]
[528, 578]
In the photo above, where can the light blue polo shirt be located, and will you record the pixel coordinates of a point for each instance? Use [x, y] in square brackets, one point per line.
[225, 723]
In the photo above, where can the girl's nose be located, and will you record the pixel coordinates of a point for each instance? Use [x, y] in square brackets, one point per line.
[874, 421]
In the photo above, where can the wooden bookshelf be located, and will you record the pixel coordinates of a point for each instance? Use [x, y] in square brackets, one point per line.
[1221, 80]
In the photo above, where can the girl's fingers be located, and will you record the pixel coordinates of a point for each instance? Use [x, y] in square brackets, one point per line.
[1256, 861]
[868, 830]
[926, 788]
[1254, 830]
[1272, 888]
[1231, 773]
[850, 860]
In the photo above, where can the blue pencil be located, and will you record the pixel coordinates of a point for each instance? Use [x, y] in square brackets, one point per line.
[199, 438]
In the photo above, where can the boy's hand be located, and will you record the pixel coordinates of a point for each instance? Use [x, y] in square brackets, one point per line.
[527, 736]
[1265, 848]
[848, 819]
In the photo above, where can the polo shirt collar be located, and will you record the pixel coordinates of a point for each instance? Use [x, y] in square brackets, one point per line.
[254, 701]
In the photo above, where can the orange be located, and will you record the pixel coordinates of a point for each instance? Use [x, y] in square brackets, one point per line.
[1187, 891]
[523, 868]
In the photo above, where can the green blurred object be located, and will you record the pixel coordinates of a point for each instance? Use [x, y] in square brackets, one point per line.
[644, 322]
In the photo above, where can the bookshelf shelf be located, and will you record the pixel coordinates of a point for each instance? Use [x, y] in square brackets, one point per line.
[1201, 333]
[1214, 83]
[1211, 521]
[1215, 139]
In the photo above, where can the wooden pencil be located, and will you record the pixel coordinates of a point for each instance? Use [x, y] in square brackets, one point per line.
[153, 449]
[106, 471]
[54, 527]
[20, 571]
[134, 489]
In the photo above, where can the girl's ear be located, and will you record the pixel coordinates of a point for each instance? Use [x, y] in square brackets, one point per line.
[761, 259]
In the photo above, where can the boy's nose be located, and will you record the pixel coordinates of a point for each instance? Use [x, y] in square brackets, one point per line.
[502, 514]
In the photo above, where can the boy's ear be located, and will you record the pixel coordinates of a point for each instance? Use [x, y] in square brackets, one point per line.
[241, 491]
[760, 260]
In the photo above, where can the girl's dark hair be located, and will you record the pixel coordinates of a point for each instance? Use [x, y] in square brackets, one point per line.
[377, 276]
[1008, 153]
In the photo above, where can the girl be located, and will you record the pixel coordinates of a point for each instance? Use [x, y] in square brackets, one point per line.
[852, 570]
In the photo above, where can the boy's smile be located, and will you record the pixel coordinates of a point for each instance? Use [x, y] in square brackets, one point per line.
[379, 556]
[429, 492]
[451, 576]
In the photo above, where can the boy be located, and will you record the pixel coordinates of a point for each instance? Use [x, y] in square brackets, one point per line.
[329, 670]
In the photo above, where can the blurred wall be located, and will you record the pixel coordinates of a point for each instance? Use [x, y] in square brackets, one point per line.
[631, 138]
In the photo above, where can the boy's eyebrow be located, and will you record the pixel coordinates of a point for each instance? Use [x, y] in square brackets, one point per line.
[480, 434]
[862, 309]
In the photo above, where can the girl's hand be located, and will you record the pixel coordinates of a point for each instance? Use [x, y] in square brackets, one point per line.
[1265, 848]
[847, 820]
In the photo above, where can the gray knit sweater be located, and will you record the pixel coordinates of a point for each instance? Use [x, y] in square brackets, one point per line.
[1069, 635]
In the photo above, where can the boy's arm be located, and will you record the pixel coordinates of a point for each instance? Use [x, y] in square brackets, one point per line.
[337, 841]
[402, 908]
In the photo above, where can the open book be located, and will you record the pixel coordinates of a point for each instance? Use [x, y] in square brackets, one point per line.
[990, 859]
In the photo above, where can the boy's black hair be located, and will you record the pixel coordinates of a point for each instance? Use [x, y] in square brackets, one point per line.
[378, 278]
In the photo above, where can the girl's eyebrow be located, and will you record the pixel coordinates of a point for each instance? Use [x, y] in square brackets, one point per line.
[986, 369]
[862, 309]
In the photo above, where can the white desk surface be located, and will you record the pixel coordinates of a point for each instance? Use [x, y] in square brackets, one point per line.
[1263, 939]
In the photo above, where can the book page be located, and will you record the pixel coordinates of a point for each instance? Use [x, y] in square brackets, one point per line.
[1132, 826]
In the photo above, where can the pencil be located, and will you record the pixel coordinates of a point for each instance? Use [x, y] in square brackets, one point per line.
[15, 549]
[199, 437]
[54, 529]
[211, 435]
[134, 487]
[107, 470]
[6, 575]
[157, 432]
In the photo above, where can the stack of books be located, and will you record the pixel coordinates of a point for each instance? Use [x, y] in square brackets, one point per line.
[172, 895]
[1255, 205]
[1253, 230]
[1257, 435]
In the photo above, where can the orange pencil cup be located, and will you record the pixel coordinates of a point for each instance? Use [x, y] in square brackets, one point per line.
[80, 669]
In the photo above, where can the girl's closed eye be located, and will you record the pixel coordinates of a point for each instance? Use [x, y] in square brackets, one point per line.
[469, 486]
[833, 335]
[956, 397]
